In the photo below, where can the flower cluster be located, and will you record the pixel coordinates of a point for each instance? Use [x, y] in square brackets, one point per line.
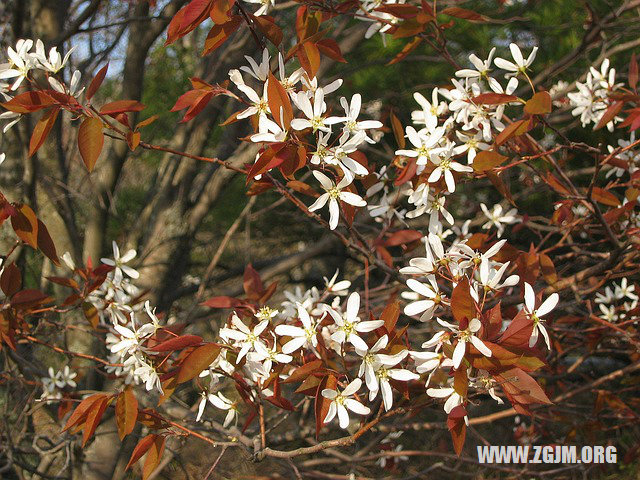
[591, 100]
[333, 153]
[617, 303]
[56, 382]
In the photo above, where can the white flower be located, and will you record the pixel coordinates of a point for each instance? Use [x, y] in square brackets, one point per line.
[490, 278]
[430, 110]
[430, 291]
[383, 373]
[351, 123]
[300, 337]
[291, 81]
[218, 400]
[266, 5]
[21, 62]
[268, 356]
[444, 167]
[55, 62]
[259, 105]
[247, 339]
[481, 67]
[149, 376]
[340, 288]
[535, 314]
[129, 341]
[351, 325]
[520, 64]
[266, 313]
[424, 143]
[315, 118]
[268, 131]
[497, 218]
[464, 337]
[66, 378]
[333, 194]
[453, 398]
[471, 144]
[625, 290]
[119, 263]
[149, 328]
[340, 154]
[340, 402]
[259, 72]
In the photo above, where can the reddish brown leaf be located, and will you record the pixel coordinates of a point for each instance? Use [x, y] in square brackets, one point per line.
[633, 72]
[457, 427]
[390, 315]
[94, 415]
[406, 50]
[539, 104]
[178, 343]
[45, 243]
[96, 82]
[487, 160]
[25, 224]
[219, 34]
[605, 197]
[322, 403]
[493, 99]
[302, 187]
[222, 302]
[462, 304]
[42, 129]
[402, 237]
[81, 411]
[548, 269]
[10, 280]
[611, 112]
[398, 131]
[514, 129]
[141, 448]
[268, 27]
[303, 371]
[90, 141]
[29, 102]
[121, 106]
[197, 361]
[309, 57]
[465, 14]
[154, 454]
[331, 49]
[252, 283]
[279, 102]
[126, 412]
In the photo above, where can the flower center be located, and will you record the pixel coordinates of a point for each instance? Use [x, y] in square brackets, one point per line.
[334, 193]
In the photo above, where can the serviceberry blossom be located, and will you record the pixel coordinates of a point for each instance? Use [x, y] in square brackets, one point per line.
[350, 325]
[432, 297]
[497, 218]
[300, 337]
[465, 336]
[332, 194]
[536, 314]
[444, 166]
[351, 123]
[315, 114]
[341, 401]
[519, 65]
[245, 338]
[453, 398]
[119, 262]
[218, 400]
